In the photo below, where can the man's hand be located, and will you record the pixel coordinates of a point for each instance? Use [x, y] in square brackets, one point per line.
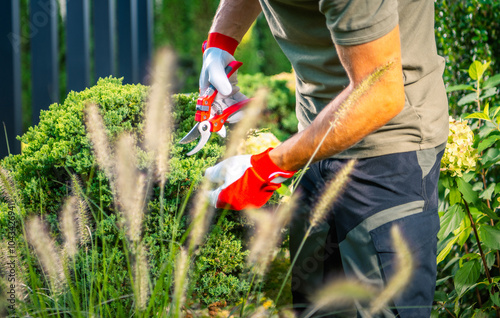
[218, 52]
[248, 181]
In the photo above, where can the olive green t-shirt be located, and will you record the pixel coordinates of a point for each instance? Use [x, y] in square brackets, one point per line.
[306, 30]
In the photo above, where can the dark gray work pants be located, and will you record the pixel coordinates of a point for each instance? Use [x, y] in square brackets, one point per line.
[355, 239]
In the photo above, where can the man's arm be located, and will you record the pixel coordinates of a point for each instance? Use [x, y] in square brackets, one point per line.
[234, 17]
[372, 111]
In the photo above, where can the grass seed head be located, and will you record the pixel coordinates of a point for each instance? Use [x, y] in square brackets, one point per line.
[141, 276]
[69, 226]
[7, 187]
[342, 293]
[158, 120]
[201, 215]
[402, 275]
[99, 139]
[331, 193]
[252, 114]
[268, 232]
[46, 251]
[180, 279]
[130, 185]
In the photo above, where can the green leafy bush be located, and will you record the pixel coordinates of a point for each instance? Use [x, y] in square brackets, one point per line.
[280, 114]
[469, 259]
[59, 148]
[466, 30]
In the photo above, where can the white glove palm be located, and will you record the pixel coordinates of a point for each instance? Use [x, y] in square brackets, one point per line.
[215, 61]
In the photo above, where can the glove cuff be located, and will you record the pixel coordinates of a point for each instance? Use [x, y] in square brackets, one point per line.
[220, 41]
[267, 169]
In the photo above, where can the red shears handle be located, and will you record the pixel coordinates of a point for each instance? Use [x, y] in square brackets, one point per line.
[205, 101]
[218, 121]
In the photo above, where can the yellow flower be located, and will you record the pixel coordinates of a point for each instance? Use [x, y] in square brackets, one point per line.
[267, 304]
[257, 143]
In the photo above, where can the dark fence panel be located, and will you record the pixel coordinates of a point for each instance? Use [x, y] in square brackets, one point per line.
[145, 36]
[77, 44]
[104, 38]
[10, 78]
[44, 55]
[122, 44]
[127, 41]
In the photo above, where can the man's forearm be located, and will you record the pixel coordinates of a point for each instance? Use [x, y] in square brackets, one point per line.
[234, 17]
[352, 121]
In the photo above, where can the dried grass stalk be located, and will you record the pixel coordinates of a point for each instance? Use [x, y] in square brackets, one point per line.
[130, 186]
[141, 276]
[180, 280]
[69, 227]
[402, 275]
[252, 113]
[201, 215]
[99, 139]
[268, 232]
[342, 293]
[332, 191]
[158, 120]
[45, 249]
[82, 212]
[7, 187]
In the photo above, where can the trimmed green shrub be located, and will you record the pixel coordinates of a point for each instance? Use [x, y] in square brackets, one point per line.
[58, 148]
[280, 114]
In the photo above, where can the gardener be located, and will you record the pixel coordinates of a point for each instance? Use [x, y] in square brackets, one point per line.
[397, 131]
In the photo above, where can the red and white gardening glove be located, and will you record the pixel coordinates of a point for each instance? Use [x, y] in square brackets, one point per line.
[218, 52]
[248, 181]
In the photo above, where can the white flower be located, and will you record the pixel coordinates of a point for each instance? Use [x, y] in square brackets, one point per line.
[459, 157]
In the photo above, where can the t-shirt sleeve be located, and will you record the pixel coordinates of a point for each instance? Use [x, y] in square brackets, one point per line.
[354, 22]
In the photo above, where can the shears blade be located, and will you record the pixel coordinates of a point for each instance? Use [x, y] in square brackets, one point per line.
[203, 130]
[192, 135]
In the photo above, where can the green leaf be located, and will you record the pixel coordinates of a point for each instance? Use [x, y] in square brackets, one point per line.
[466, 276]
[467, 99]
[490, 236]
[488, 192]
[454, 197]
[490, 157]
[442, 280]
[451, 220]
[441, 296]
[488, 93]
[492, 81]
[284, 190]
[476, 70]
[486, 109]
[468, 193]
[479, 314]
[490, 259]
[487, 142]
[460, 87]
[464, 236]
[446, 250]
[495, 297]
[478, 116]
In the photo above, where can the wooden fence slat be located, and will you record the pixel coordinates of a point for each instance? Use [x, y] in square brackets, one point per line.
[77, 44]
[145, 37]
[44, 55]
[104, 38]
[127, 41]
[10, 78]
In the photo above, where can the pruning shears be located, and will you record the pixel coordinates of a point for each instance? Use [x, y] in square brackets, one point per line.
[208, 120]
